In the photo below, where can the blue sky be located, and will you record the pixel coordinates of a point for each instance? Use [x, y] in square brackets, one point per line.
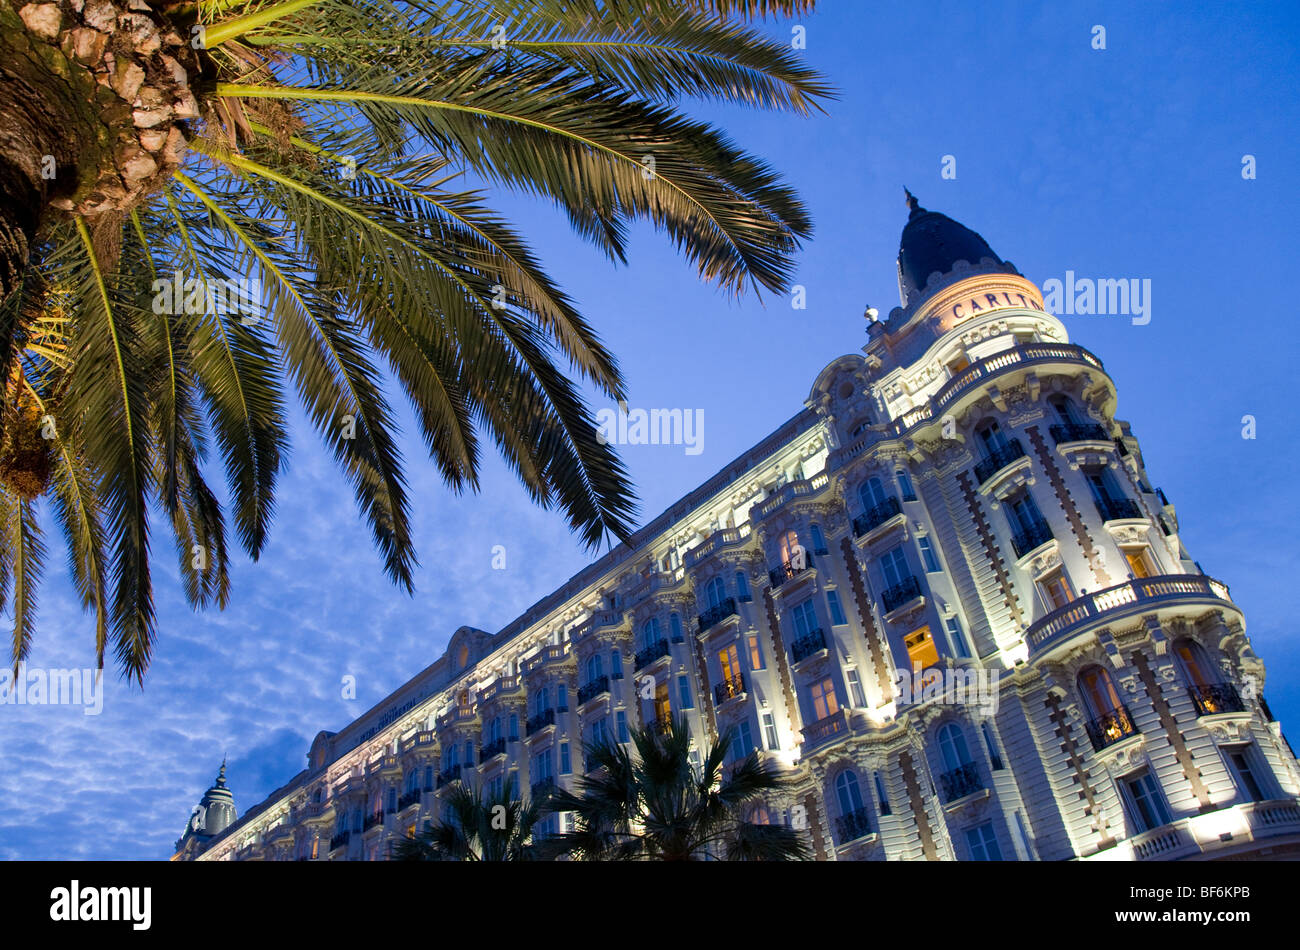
[1124, 162]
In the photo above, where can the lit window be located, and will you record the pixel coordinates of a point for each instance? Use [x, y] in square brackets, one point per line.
[663, 708]
[1055, 589]
[755, 653]
[983, 843]
[823, 699]
[1099, 693]
[792, 552]
[1196, 668]
[921, 650]
[729, 660]
[1140, 562]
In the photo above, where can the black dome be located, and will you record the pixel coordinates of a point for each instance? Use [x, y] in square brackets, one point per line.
[935, 242]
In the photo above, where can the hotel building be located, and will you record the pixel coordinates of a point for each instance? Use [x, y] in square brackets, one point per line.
[945, 597]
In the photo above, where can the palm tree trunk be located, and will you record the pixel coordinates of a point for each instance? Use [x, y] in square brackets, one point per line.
[91, 96]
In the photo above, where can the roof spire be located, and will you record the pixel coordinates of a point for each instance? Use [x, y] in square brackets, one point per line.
[912, 204]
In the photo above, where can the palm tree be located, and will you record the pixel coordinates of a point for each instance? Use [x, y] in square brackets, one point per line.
[656, 805]
[476, 827]
[206, 197]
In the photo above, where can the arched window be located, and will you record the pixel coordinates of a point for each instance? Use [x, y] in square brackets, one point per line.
[847, 792]
[650, 633]
[742, 586]
[871, 493]
[1066, 410]
[1098, 692]
[952, 744]
[991, 437]
[594, 668]
[715, 592]
[462, 656]
[789, 546]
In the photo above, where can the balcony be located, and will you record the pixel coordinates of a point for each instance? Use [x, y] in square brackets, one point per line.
[1079, 432]
[998, 459]
[789, 570]
[825, 729]
[873, 519]
[1117, 509]
[372, 820]
[715, 615]
[729, 689]
[656, 651]
[447, 776]
[539, 722]
[589, 691]
[541, 789]
[854, 825]
[787, 493]
[805, 646]
[340, 840]
[1216, 698]
[660, 725]
[894, 597]
[1136, 596]
[1034, 535]
[495, 747]
[960, 782]
[409, 799]
[1110, 728]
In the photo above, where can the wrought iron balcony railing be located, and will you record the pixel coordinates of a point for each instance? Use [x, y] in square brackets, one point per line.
[998, 459]
[448, 775]
[372, 820]
[729, 689]
[812, 642]
[409, 799]
[1079, 432]
[900, 593]
[1110, 728]
[495, 747]
[960, 782]
[1034, 534]
[655, 651]
[1113, 509]
[854, 825]
[1216, 698]
[589, 691]
[877, 516]
[539, 722]
[715, 615]
[340, 839]
[790, 569]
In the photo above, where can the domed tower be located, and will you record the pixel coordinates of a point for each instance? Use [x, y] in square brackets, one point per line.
[1001, 524]
[214, 813]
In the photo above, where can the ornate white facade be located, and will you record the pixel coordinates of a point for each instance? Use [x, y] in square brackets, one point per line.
[958, 497]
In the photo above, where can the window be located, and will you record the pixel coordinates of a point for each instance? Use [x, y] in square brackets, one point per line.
[905, 485]
[616, 665]
[983, 843]
[562, 698]
[715, 592]
[1247, 772]
[871, 493]
[755, 653]
[469, 753]
[541, 702]
[847, 792]
[742, 586]
[805, 618]
[684, 692]
[881, 796]
[595, 669]
[1066, 411]
[565, 765]
[675, 626]
[663, 707]
[1103, 485]
[927, 555]
[1098, 691]
[621, 720]
[1195, 666]
[837, 611]
[893, 567]
[392, 799]
[729, 660]
[994, 757]
[855, 687]
[1023, 513]
[542, 767]
[514, 728]
[742, 742]
[957, 637]
[791, 551]
[921, 650]
[952, 745]
[769, 731]
[818, 539]
[1055, 590]
[1140, 562]
[958, 363]
[991, 437]
[1146, 803]
[428, 777]
[650, 633]
[823, 699]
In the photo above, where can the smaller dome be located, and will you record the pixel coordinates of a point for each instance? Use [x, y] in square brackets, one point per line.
[216, 810]
[934, 243]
